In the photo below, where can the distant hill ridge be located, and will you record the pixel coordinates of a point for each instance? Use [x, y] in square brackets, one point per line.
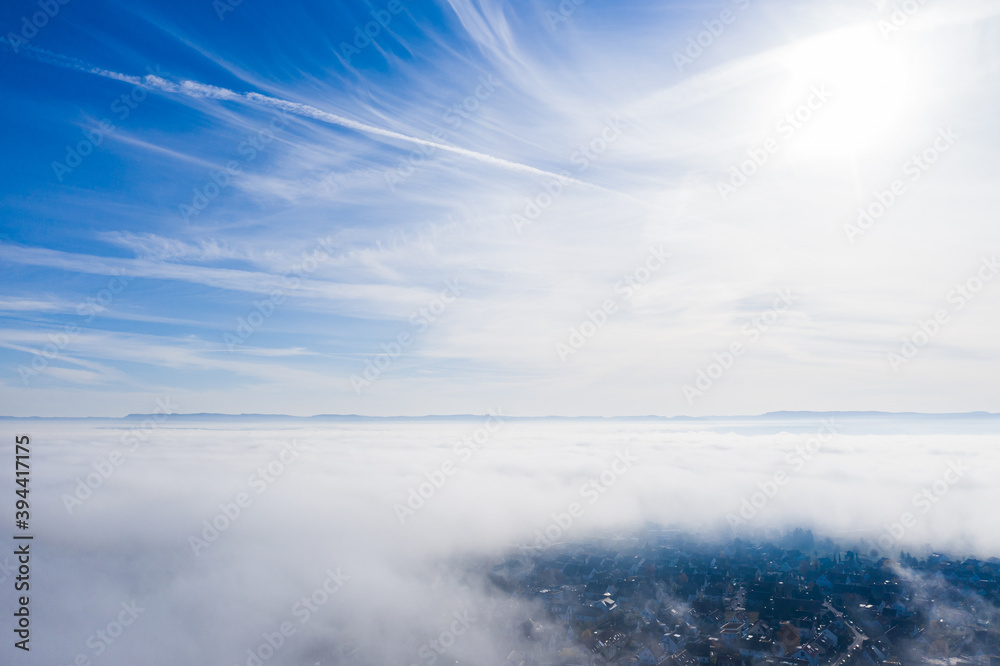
[811, 415]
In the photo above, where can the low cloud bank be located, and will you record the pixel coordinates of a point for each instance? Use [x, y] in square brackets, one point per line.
[371, 541]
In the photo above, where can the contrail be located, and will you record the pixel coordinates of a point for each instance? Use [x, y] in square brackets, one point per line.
[199, 90]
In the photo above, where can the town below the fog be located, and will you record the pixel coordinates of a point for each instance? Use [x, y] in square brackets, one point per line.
[665, 598]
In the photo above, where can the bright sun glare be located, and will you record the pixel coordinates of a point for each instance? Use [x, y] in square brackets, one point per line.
[873, 85]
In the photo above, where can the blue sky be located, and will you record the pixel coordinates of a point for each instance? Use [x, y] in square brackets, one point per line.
[490, 205]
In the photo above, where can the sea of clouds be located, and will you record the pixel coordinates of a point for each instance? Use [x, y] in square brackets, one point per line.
[218, 542]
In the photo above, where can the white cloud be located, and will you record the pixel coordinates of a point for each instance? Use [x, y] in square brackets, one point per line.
[332, 507]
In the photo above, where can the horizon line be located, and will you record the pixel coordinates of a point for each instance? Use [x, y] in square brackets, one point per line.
[780, 413]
